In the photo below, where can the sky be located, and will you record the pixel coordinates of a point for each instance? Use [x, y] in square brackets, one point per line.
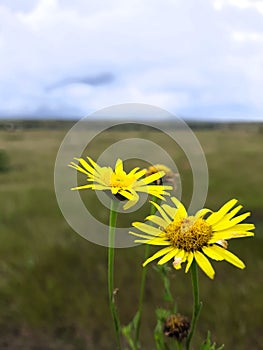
[198, 59]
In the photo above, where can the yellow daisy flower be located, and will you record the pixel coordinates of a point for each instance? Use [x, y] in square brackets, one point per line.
[194, 237]
[169, 175]
[121, 184]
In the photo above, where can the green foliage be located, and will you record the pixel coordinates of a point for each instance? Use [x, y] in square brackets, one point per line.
[207, 345]
[160, 341]
[163, 271]
[4, 161]
[129, 332]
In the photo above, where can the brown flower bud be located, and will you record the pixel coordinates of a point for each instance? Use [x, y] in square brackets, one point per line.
[176, 326]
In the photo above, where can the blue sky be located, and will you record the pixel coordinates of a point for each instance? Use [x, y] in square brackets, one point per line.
[195, 58]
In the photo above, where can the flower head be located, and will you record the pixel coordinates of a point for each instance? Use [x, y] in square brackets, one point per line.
[124, 186]
[194, 237]
[169, 175]
[176, 326]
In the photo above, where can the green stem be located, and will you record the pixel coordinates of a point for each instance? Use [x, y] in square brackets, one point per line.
[197, 304]
[113, 309]
[179, 345]
[143, 280]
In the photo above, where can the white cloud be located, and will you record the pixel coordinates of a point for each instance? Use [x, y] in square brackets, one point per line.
[193, 58]
[242, 4]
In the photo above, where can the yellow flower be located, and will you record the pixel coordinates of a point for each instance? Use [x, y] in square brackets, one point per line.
[121, 184]
[169, 175]
[194, 237]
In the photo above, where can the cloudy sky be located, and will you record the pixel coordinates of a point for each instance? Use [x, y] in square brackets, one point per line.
[195, 58]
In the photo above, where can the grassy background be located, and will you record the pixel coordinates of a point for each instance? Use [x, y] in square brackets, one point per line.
[53, 292]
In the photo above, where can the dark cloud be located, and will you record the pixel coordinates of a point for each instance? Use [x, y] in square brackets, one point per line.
[95, 80]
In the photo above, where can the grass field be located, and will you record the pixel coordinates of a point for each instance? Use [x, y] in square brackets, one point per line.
[53, 292]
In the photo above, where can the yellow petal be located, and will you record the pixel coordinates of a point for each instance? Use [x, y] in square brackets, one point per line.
[222, 225]
[157, 220]
[234, 232]
[169, 210]
[232, 213]
[202, 212]
[212, 253]
[78, 168]
[82, 187]
[133, 171]
[86, 166]
[119, 167]
[190, 258]
[181, 212]
[95, 165]
[161, 211]
[204, 264]
[179, 259]
[146, 228]
[228, 256]
[147, 180]
[127, 194]
[168, 256]
[158, 254]
[218, 215]
[154, 241]
[140, 235]
[114, 190]
[129, 204]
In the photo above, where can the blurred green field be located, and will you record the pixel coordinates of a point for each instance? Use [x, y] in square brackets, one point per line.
[53, 292]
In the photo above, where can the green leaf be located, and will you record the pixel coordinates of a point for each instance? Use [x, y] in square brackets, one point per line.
[160, 343]
[207, 345]
[129, 330]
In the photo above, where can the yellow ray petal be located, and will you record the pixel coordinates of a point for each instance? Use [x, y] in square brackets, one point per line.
[158, 254]
[232, 213]
[202, 212]
[153, 242]
[230, 235]
[169, 210]
[204, 264]
[181, 212]
[81, 187]
[153, 177]
[168, 256]
[238, 228]
[218, 215]
[222, 225]
[119, 167]
[157, 220]
[140, 235]
[100, 187]
[162, 212]
[132, 202]
[127, 194]
[138, 174]
[78, 168]
[86, 165]
[228, 256]
[212, 253]
[190, 258]
[181, 257]
[147, 228]
[95, 165]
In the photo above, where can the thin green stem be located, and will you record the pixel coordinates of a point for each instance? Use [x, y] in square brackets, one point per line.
[179, 345]
[141, 296]
[113, 309]
[197, 305]
[142, 286]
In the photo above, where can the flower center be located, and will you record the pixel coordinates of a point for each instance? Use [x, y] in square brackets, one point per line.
[189, 234]
[122, 181]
